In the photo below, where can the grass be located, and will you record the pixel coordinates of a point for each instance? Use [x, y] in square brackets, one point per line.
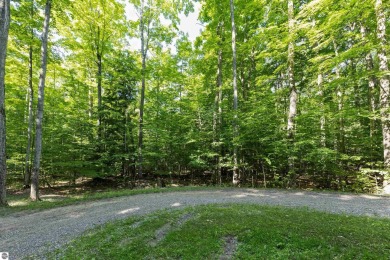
[262, 232]
[21, 203]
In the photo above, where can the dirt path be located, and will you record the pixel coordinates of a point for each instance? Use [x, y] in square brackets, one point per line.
[36, 233]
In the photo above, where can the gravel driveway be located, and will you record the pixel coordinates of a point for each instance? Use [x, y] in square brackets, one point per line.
[24, 235]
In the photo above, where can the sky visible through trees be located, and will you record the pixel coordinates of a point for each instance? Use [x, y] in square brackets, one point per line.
[296, 96]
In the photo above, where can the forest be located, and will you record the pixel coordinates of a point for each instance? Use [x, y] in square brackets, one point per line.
[281, 93]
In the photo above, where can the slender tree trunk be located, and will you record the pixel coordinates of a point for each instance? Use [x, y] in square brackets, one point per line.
[27, 171]
[141, 118]
[320, 81]
[142, 101]
[217, 115]
[90, 101]
[292, 112]
[340, 145]
[384, 82]
[34, 195]
[215, 129]
[371, 93]
[99, 89]
[235, 96]
[371, 89]
[220, 99]
[4, 28]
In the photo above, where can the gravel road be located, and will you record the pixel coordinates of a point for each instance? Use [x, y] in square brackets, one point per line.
[23, 235]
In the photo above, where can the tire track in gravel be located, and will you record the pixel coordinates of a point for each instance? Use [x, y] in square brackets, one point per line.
[36, 233]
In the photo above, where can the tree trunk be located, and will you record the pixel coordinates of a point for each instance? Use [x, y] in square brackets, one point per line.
[235, 95]
[34, 195]
[371, 93]
[4, 28]
[320, 81]
[144, 49]
[99, 89]
[27, 175]
[384, 82]
[292, 112]
[220, 122]
[217, 115]
[90, 101]
[371, 89]
[340, 145]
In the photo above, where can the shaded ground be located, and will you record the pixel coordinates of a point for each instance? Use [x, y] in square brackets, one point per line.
[24, 235]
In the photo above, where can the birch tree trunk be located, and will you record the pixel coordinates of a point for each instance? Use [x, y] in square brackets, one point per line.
[292, 111]
[235, 95]
[34, 194]
[384, 82]
[4, 28]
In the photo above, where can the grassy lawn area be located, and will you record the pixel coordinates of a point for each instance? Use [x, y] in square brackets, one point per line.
[20, 203]
[242, 231]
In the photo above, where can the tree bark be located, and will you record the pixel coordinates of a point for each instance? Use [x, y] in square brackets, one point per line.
[30, 120]
[320, 81]
[90, 101]
[27, 175]
[371, 89]
[340, 145]
[292, 112]
[34, 194]
[99, 89]
[144, 50]
[4, 29]
[217, 116]
[235, 97]
[384, 82]
[99, 76]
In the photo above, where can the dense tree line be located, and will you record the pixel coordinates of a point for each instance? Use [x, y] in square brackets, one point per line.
[279, 93]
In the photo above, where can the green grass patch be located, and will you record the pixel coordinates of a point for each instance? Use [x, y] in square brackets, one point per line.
[262, 232]
[21, 203]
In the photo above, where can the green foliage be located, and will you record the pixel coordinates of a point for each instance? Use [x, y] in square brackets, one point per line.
[188, 117]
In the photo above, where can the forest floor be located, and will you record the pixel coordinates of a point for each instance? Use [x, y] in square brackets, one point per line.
[24, 235]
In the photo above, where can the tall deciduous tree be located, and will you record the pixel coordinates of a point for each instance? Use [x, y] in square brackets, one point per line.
[384, 82]
[235, 98]
[34, 194]
[96, 27]
[292, 111]
[4, 28]
[152, 31]
[144, 36]
[217, 116]
[30, 119]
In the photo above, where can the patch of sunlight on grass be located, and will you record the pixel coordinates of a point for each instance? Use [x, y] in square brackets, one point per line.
[18, 203]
